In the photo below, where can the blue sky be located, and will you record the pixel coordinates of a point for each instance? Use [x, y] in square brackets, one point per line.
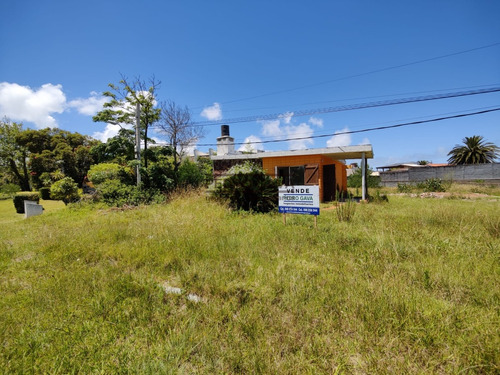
[227, 59]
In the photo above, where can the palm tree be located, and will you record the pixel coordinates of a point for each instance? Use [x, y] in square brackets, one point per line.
[474, 151]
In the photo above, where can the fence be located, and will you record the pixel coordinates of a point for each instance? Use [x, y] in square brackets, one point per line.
[487, 173]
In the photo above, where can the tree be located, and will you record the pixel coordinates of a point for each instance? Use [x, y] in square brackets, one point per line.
[124, 97]
[175, 123]
[52, 150]
[13, 156]
[474, 151]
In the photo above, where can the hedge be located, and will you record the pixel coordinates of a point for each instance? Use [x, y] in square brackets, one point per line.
[22, 196]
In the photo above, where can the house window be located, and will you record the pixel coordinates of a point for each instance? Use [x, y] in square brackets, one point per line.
[292, 176]
[299, 175]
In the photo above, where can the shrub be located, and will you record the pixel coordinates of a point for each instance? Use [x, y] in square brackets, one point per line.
[405, 188]
[65, 190]
[378, 198]
[432, 185]
[22, 196]
[115, 193]
[44, 192]
[99, 173]
[190, 175]
[254, 191]
[355, 179]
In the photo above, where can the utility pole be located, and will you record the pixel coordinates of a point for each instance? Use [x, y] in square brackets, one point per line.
[138, 141]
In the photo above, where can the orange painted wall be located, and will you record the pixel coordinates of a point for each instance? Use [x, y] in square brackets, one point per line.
[269, 164]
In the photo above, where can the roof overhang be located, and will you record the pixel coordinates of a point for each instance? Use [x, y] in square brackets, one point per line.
[336, 153]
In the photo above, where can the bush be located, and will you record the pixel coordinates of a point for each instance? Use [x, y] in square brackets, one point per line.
[100, 173]
[65, 190]
[254, 191]
[378, 198]
[405, 188]
[44, 193]
[22, 196]
[355, 179]
[190, 175]
[115, 193]
[432, 185]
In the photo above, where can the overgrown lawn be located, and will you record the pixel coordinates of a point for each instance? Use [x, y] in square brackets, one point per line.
[410, 286]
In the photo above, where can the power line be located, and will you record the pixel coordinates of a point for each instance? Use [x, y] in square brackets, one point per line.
[359, 74]
[350, 107]
[366, 129]
[364, 98]
[382, 123]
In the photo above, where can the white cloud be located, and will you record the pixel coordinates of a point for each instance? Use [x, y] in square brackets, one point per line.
[299, 131]
[365, 141]
[88, 106]
[287, 117]
[339, 140]
[272, 129]
[249, 146]
[212, 113]
[109, 132]
[316, 122]
[21, 103]
[283, 128]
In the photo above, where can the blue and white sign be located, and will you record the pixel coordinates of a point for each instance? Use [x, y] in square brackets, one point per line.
[299, 200]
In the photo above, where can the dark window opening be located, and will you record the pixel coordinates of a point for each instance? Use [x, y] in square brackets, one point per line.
[291, 176]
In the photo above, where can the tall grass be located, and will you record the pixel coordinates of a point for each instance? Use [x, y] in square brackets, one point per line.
[411, 286]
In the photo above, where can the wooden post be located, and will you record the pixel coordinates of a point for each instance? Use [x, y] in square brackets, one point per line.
[315, 221]
[284, 219]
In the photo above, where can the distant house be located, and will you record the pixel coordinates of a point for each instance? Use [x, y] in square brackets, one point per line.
[324, 167]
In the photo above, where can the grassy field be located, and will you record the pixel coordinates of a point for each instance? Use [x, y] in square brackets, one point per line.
[410, 286]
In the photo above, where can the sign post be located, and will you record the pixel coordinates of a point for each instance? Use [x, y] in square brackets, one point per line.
[302, 200]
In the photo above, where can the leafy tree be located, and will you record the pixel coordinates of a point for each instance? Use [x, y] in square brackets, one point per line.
[118, 149]
[175, 123]
[124, 97]
[355, 179]
[13, 156]
[474, 151]
[54, 150]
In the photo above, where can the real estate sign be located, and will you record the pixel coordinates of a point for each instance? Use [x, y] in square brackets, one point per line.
[299, 200]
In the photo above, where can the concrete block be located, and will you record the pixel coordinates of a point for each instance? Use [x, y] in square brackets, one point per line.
[32, 209]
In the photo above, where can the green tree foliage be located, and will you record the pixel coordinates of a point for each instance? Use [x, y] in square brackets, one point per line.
[100, 173]
[355, 179]
[56, 150]
[65, 190]
[14, 156]
[474, 151]
[253, 191]
[118, 149]
[121, 108]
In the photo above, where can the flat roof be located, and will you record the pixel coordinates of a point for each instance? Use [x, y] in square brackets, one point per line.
[337, 153]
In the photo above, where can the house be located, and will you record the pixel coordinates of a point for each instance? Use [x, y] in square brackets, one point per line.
[324, 167]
